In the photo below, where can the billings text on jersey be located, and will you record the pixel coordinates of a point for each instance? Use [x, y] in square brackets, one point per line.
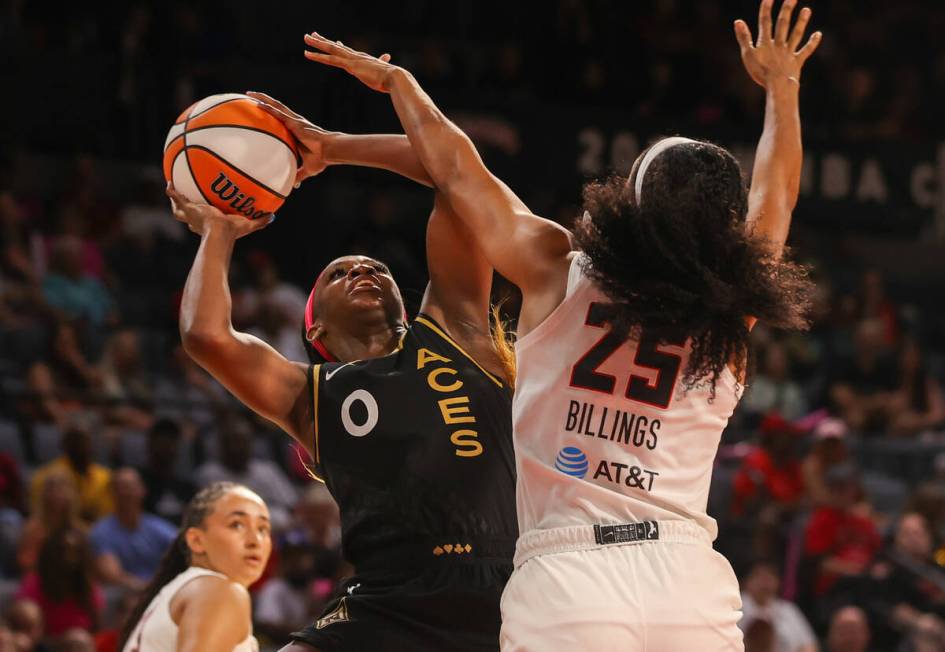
[632, 430]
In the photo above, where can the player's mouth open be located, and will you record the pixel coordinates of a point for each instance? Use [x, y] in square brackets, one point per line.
[365, 284]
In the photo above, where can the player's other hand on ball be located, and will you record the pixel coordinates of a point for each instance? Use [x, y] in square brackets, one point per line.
[312, 138]
[374, 72]
[200, 218]
[774, 56]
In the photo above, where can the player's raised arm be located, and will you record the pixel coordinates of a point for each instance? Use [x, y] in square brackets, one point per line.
[460, 275]
[321, 148]
[775, 63]
[252, 370]
[523, 247]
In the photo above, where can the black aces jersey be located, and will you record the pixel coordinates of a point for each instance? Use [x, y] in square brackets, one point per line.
[416, 448]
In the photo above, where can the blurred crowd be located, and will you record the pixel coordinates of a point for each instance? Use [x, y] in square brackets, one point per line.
[829, 488]
[878, 74]
[107, 428]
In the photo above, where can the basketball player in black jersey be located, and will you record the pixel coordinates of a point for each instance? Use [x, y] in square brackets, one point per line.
[409, 424]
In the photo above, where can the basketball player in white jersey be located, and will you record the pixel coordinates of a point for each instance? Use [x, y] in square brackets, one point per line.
[198, 598]
[631, 355]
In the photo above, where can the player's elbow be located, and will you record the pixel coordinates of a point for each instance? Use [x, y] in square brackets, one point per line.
[460, 164]
[201, 343]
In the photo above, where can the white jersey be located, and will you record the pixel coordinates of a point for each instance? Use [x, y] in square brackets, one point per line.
[157, 631]
[604, 431]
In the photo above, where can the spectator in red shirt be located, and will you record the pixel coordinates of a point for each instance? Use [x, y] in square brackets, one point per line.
[771, 472]
[876, 304]
[11, 512]
[62, 584]
[828, 450]
[58, 508]
[839, 538]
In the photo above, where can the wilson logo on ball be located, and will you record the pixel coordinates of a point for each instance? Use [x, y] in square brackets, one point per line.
[228, 152]
[228, 191]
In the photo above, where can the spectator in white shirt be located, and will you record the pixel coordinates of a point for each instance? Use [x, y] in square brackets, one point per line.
[760, 601]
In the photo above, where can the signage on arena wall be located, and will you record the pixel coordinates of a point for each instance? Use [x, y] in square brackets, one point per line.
[882, 189]
[896, 190]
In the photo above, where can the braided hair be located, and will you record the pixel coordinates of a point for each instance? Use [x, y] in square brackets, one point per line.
[177, 558]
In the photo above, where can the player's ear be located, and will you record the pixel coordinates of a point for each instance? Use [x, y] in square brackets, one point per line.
[316, 331]
[194, 538]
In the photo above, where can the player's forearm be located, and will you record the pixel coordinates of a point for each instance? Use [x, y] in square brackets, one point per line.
[386, 151]
[777, 171]
[519, 245]
[442, 148]
[205, 311]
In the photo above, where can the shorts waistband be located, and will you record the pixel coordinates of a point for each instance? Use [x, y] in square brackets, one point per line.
[587, 537]
[438, 551]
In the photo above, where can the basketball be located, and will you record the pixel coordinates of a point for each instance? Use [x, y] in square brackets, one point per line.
[226, 151]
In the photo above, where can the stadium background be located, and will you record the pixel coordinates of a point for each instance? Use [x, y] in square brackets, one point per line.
[839, 442]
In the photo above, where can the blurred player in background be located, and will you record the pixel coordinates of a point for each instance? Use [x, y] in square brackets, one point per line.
[631, 351]
[198, 598]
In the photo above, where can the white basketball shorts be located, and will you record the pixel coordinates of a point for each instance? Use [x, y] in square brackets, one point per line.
[646, 587]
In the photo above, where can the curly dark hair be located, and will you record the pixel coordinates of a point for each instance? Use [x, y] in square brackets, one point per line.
[682, 263]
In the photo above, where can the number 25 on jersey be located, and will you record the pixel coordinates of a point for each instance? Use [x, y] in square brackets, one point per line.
[658, 393]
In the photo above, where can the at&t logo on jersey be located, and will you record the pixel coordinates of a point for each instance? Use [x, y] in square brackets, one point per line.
[572, 461]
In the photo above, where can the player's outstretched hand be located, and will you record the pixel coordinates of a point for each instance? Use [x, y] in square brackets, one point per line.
[374, 72]
[775, 55]
[200, 217]
[311, 137]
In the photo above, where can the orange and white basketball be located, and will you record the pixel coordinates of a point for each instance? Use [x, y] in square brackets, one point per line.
[226, 151]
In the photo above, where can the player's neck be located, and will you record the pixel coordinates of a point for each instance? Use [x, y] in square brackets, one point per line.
[364, 344]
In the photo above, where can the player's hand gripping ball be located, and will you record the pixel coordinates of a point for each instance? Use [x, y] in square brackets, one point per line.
[228, 152]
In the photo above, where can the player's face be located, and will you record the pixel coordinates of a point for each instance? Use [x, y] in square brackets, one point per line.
[235, 538]
[353, 284]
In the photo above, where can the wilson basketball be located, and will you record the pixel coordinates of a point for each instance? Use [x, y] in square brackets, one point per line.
[226, 151]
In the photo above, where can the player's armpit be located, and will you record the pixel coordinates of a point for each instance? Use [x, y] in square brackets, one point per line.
[258, 375]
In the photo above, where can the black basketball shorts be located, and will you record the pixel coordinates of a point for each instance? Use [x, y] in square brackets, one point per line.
[445, 607]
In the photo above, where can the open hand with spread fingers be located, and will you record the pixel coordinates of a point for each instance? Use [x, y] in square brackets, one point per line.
[775, 55]
[374, 72]
[199, 218]
[311, 137]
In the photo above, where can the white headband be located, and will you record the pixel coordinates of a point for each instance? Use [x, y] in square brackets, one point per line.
[651, 155]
